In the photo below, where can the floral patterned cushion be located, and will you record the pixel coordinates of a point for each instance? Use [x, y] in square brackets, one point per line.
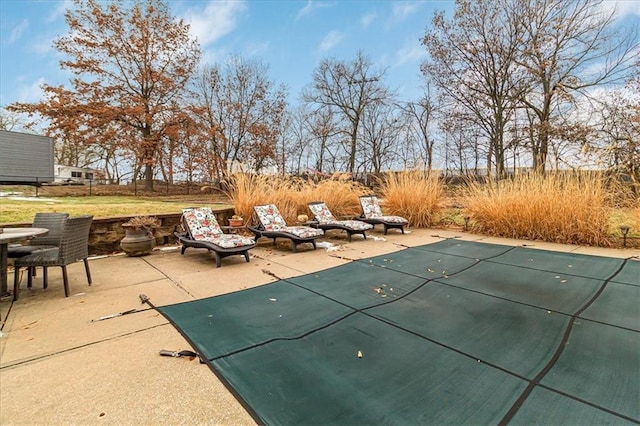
[371, 207]
[321, 213]
[303, 231]
[372, 210]
[203, 226]
[393, 219]
[270, 217]
[201, 222]
[272, 220]
[356, 225]
[230, 240]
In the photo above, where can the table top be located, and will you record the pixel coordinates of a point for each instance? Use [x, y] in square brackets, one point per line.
[16, 234]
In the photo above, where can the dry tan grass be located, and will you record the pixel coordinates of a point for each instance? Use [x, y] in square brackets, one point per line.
[292, 195]
[414, 195]
[567, 208]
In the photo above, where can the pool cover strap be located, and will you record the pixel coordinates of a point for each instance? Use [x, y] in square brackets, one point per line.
[452, 332]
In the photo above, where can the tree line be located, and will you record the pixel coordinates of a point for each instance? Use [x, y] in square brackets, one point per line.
[507, 84]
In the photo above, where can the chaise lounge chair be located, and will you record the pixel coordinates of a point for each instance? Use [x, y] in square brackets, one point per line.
[203, 231]
[272, 225]
[372, 214]
[327, 221]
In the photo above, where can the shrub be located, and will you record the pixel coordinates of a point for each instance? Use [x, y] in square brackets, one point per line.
[561, 208]
[415, 195]
[142, 222]
[291, 195]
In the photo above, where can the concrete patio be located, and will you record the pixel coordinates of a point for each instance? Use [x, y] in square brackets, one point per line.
[59, 367]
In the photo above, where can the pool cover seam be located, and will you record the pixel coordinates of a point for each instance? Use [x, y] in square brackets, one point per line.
[526, 392]
[437, 280]
[572, 319]
[556, 356]
[382, 320]
[488, 259]
[492, 260]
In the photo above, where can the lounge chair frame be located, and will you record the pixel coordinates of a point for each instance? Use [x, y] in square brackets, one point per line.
[219, 252]
[260, 231]
[187, 240]
[389, 222]
[342, 225]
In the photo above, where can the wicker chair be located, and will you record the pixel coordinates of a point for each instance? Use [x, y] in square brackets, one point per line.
[54, 222]
[74, 246]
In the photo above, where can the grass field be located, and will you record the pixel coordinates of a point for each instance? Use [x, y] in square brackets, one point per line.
[488, 210]
[22, 208]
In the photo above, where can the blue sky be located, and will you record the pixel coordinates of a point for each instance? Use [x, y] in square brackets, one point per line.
[290, 36]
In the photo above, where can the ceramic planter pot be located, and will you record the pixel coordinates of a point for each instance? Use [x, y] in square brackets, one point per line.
[137, 241]
[236, 222]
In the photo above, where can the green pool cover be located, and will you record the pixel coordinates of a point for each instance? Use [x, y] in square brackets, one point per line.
[448, 333]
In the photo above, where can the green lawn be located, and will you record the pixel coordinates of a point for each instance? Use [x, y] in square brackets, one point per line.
[14, 209]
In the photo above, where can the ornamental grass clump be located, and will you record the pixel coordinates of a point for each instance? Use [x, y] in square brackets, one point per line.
[415, 195]
[570, 208]
[292, 194]
[142, 222]
[341, 195]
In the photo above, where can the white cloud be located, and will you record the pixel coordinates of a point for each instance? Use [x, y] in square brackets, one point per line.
[410, 53]
[42, 46]
[213, 56]
[367, 19]
[218, 19]
[623, 7]
[310, 7]
[17, 31]
[306, 10]
[253, 49]
[31, 93]
[403, 10]
[330, 40]
[58, 12]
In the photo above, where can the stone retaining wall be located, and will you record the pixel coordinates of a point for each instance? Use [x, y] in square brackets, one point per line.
[106, 233]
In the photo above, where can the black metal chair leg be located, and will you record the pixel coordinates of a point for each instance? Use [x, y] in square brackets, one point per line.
[45, 277]
[16, 282]
[86, 268]
[65, 280]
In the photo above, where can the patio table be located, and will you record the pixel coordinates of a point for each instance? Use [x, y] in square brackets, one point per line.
[10, 235]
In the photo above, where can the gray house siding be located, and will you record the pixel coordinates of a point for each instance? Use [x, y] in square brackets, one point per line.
[25, 158]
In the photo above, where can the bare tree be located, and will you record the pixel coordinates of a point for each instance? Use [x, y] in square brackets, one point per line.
[381, 131]
[567, 47]
[323, 128]
[241, 111]
[9, 120]
[349, 87]
[420, 117]
[618, 145]
[472, 62]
